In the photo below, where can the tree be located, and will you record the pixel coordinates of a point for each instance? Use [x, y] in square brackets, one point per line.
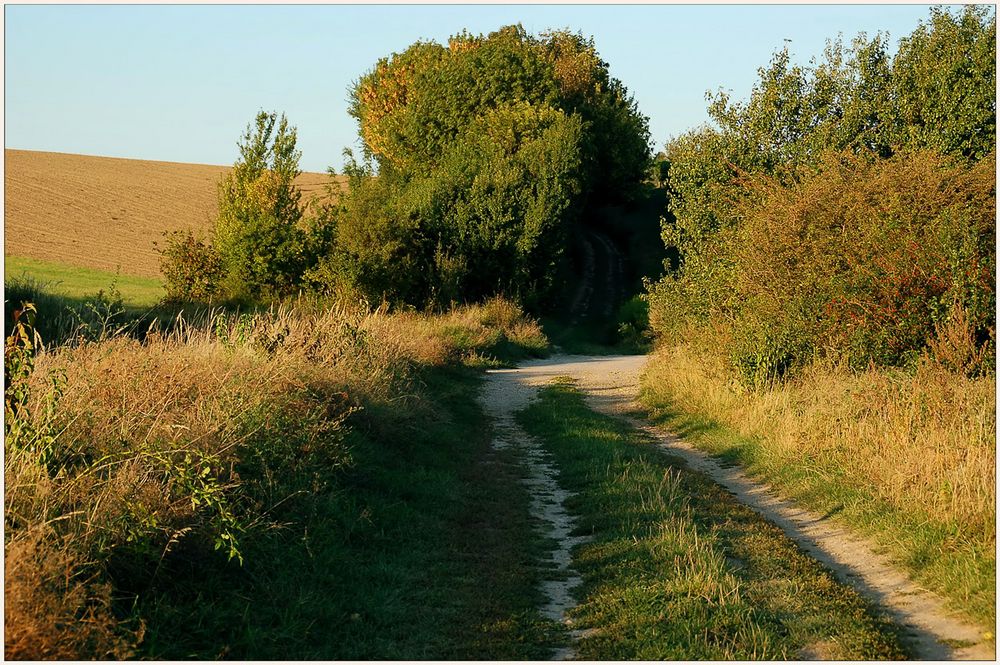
[258, 233]
[412, 104]
[938, 92]
[491, 217]
[945, 83]
[486, 152]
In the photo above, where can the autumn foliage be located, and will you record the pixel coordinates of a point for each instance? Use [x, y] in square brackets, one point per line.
[479, 159]
[845, 210]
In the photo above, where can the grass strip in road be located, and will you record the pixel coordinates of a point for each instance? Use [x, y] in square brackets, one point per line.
[677, 568]
[426, 551]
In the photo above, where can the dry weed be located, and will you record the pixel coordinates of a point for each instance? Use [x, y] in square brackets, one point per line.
[52, 609]
[921, 442]
[196, 433]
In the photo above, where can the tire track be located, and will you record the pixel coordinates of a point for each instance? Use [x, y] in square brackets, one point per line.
[502, 397]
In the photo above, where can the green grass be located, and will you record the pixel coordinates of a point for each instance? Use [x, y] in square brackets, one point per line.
[938, 555]
[79, 283]
[424, 550]
[677, 568]
[90, 315]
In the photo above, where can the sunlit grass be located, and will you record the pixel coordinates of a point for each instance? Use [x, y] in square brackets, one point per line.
[77, 283]
[679, 570]
[337, 452]
[906, 457]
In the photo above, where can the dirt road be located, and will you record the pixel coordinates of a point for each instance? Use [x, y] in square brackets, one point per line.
[611, 384]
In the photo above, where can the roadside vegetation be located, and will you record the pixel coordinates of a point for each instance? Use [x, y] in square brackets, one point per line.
[907, 458]
[830, 321]
[677, 569]
[283, 456]
[291, 483]
[627, 332]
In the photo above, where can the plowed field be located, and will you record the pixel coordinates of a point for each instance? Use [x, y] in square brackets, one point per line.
[106, 213]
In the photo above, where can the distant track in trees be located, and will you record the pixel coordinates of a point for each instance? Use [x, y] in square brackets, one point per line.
[602, 279]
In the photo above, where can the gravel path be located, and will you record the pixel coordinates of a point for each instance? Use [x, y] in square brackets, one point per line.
[611, 385]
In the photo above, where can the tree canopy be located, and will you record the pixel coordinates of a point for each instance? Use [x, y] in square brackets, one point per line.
[938, 92]
[777, 245]
[479, 157]
[411, 105]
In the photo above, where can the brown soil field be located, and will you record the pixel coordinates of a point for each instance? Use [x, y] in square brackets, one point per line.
[106, 213]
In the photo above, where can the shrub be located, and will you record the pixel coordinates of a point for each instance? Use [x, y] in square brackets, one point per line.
[867, 258]
[863, 259]
[633, 322]
[192, 269]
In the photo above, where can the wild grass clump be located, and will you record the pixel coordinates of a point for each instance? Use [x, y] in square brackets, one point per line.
[494, 331]
[121, 454]
[908, 457]
[54, 609]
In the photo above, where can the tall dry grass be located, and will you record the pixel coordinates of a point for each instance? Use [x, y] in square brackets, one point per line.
[902, 448]
[126, 452]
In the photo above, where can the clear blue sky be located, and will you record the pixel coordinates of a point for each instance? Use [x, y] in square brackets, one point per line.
[179, 83]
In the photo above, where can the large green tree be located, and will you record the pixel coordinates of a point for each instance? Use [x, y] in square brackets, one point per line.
[491, 217]
[413, 104]
[482, 155]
